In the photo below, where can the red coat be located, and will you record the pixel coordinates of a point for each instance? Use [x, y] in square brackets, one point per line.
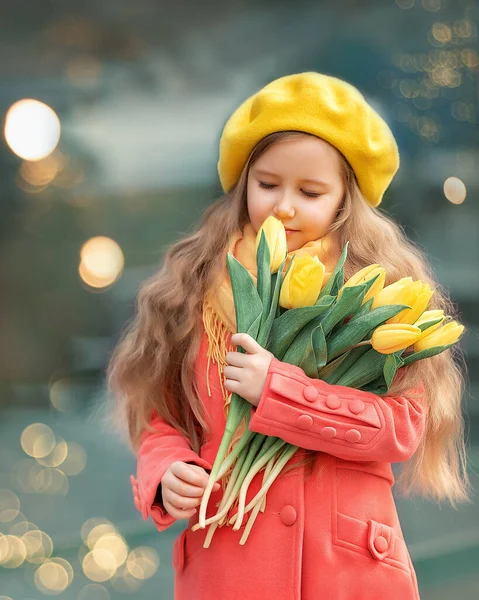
[336, 537]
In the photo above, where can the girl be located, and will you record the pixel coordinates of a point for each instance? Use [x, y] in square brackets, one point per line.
[309, 150]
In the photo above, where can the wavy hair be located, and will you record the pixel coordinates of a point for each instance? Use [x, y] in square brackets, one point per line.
[152, 366]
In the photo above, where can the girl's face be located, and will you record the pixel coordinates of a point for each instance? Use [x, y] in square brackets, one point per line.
[299, 182]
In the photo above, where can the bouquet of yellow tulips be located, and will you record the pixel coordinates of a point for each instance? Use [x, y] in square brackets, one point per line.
[353, 334]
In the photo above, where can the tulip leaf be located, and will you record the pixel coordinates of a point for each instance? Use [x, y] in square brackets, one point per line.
[320, 348]
[392, 364]
[428, 324]
[286, 327]
[246, 299]
[425, 354]
[336, 280]
[263, 283]
[267, 325]
[364, 370]
[334, 370]
[360, 326]
[349, 303]
[301, 346]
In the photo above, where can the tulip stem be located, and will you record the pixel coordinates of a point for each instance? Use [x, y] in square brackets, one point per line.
[365, 343]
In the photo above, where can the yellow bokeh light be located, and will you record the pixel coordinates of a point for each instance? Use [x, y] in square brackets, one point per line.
[441, 32]
[93, 591]
[51, 577]
[143, 562]
[22, 527]
[32, 129]
[98, 531]
[37, 440]
[39, 546]
[12, 551]
[56, 456]
[9, 505]
[405, 3]
[75, 461]
[99, 565]
[92, 524]
[455, 190]
[115, 544]
[101, 262]
[41, 172]
[124, 582]
[62, 395]
[432, 5]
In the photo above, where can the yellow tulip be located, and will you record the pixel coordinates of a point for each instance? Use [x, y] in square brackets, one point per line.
[392, 337]
[365, 275]
[445, 335]
[276, 237]
[302, 284]
[430, 315]
[415, 294]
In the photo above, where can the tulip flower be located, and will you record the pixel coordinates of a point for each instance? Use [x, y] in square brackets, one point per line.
[392, 337]
[276, 238]
[365, 275]
[415, 294]
[303, 282]
[443, 336]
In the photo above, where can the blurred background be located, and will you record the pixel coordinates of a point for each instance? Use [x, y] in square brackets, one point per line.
[112, 113]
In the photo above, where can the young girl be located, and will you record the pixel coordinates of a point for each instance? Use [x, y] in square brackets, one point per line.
[309, 150]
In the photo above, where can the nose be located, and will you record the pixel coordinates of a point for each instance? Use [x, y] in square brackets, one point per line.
[284, 207]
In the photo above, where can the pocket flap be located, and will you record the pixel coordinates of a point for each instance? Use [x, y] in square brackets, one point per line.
[178, 552]
[380, 539]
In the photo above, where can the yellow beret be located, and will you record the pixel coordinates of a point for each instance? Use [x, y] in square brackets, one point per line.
[325, 106]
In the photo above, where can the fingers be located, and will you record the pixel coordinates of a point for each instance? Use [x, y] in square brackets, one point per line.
[192, 474]
[236, 359]
[247, 342]
[232, 372]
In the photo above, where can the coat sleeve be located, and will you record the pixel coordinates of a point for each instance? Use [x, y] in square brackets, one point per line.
[157, 451]
[348, 423]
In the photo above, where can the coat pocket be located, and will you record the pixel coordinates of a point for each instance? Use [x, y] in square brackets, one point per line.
[364, 517]
[178, 552]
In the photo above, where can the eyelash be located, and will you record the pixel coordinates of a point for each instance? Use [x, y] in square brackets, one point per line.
[270, 186]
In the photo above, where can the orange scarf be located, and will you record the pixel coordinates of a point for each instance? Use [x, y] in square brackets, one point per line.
[219, 317]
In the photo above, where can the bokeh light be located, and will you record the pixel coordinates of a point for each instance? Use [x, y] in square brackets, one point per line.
[9, 505]
[143, 562]
[12, 551]
[93, 591]
[37, 440]
[455, 190]
[52, 577]
[101, 262]
[32, 129]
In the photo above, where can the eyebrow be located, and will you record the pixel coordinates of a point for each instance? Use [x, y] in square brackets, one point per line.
[314, 181]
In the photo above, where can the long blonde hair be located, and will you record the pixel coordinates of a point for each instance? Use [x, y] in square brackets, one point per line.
[151, 370]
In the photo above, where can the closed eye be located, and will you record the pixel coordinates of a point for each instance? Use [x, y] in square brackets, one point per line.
[270, 186]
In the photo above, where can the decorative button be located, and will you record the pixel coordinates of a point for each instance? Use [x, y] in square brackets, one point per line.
[310, 393]
[381, 544]
[304, 421]
[288, 515]
[353, 435]
[356, 406]
[333, 401]
[328, 432]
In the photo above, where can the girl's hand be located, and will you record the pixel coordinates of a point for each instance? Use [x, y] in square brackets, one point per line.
[182, 487]
[246, 373]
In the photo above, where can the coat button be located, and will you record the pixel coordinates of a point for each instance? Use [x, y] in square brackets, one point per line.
[288, 515]
[381, 544]
[328, 432]
[333, 401]
[353, 435]
[304, 421]
[310, 393]
[356, 406]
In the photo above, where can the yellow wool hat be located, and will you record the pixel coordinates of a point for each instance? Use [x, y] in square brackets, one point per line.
[325, 106]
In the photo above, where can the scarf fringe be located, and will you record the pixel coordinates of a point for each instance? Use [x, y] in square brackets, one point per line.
[218, 345]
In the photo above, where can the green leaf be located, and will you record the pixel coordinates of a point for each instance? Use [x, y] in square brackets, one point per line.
[286, 327]
[349, 303]
[320, 348]
[425, 354]
[365, 370]
[266, 325]
[428, 324]
[392, 364]
[358, 328]
[334, 370]
[246, 299]
[264, 275]
[336, 280]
